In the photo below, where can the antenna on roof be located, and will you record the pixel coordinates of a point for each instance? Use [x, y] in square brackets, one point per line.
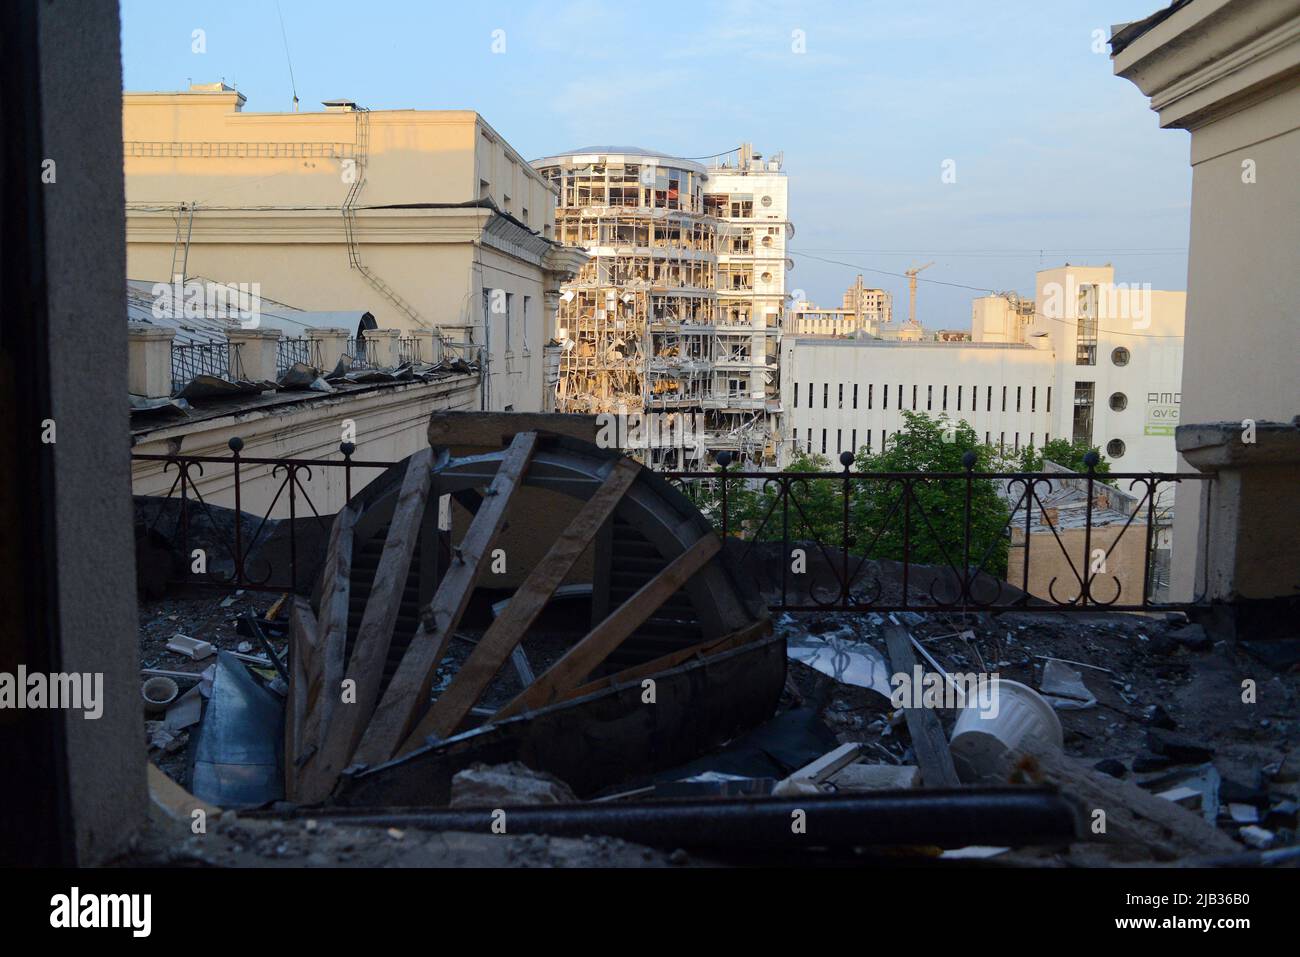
[288, 59]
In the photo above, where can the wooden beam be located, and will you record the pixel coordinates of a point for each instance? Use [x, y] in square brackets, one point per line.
[1160, 827]
[332, 622]
[505, 633]
[375, 633]
[408, 692]
[332, 628]
[705, 649]
[600, 642]
[928, 739]
[304, 689]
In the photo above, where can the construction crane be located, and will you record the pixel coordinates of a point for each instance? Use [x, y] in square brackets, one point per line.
[911, 290]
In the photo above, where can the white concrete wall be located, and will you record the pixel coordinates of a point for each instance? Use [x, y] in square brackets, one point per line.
[1150, 382]
[829, 365]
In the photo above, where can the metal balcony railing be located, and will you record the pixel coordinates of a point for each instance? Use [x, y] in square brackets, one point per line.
[822, 537]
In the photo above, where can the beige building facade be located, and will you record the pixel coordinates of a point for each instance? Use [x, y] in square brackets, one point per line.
[427, 219]
[1226, 71]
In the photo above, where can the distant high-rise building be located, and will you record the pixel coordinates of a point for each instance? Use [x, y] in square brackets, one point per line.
[869, 304]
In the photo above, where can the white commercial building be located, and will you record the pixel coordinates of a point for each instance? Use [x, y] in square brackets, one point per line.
[841, 395]
[1089, 362]
[1117, 353]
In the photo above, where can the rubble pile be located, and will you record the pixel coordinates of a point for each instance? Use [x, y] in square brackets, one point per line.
[682, 715]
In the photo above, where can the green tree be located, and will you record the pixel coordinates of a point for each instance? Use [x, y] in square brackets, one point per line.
[755, 509]
[935, 509]
[815, 510]
[1062, 452]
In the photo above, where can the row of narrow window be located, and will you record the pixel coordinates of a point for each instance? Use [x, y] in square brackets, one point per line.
[884, 437]
[973, 397]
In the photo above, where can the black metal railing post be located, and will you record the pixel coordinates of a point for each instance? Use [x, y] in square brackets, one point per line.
[968, 460]
[1149, 554]
[846, 460]
[786, 556]
[1090, 460]
[724, 459]
[347, 448]
[907, 538]
[292, 478]
[236, 445]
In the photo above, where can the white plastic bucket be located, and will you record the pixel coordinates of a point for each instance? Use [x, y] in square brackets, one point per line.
[158, 692]
[1024, 722]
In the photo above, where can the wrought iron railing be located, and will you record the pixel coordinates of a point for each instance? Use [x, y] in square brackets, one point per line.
[408, 350]
[809, 541]
[238, 540]
[289, 351]
[361, 352]
[190, 359]
[935, 541]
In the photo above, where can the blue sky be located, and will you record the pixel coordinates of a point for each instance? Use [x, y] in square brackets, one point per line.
[1052, 151]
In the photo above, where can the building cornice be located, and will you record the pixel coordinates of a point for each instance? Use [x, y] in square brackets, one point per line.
[315, 225]
[1212, 58]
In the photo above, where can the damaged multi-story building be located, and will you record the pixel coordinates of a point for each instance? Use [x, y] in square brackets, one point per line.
[679, 309]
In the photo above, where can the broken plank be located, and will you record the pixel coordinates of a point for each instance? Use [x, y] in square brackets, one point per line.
[332, 628]
[332, 620]
[928, 739]
[304, 688]
[375, 632]
[601, 641]
[1166, 830]
[504, 634]
[408, 692]
[705, 649]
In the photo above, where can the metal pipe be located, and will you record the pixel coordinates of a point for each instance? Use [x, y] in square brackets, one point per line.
[942, 818]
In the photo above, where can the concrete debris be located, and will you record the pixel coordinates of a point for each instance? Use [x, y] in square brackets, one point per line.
[1188, 797]
[185, 711]
[1179, 748]
[164, 739]
[1243, 813]
[713, 784]
[1257, 837]
[876, 777]
[1063, 687]
[972, 852]
[193, 648]
[1193, 638]
[506, 785]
